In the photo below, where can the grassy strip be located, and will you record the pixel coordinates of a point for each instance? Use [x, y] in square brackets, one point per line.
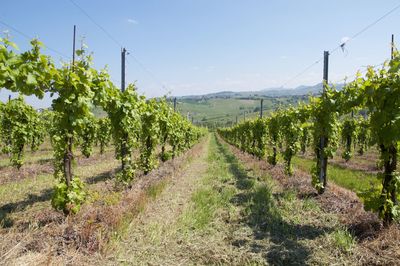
[212, 195]
[266, 224]
[352, 179]
[366, 185]
[150, 193]
[122, 226]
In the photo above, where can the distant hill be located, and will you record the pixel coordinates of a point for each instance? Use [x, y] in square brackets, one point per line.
[270, 92]
[226, 107]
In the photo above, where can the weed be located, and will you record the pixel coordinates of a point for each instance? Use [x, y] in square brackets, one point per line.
[289, 195]
[343, 240]
[155, 189]
[310, 204]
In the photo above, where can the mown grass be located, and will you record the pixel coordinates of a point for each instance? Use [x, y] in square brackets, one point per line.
[155, 190]
[270, 225]
[124, 224]
[149, 194]
[212, 195]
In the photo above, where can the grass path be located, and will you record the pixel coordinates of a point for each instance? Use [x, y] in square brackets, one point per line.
[150, 234]
[218, 212]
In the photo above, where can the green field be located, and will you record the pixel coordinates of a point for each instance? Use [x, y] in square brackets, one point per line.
[221, 111]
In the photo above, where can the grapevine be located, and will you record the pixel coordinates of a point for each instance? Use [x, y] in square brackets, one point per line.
[149, 136]
[274, 137]
[20, 126]
[103, 134]
[364, 135]
[348, 135]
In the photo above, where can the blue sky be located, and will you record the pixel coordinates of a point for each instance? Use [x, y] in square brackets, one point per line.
[196, 47]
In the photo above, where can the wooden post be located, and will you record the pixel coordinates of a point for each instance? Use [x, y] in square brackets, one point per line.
[175, 104]
[323, 159]
[392, 49]
[261, 109]
[125, 138]
[123, 55]
[68, 156]
[73, 48]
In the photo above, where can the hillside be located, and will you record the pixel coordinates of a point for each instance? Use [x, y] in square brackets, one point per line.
[224, 111]
[223, 108]
[269, 92]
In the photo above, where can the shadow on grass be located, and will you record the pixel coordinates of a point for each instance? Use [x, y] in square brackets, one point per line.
[39, 161]
[45, 195]
[106, 175]
[45, 160]
[5, 166]
[263, 216]
[5, 210]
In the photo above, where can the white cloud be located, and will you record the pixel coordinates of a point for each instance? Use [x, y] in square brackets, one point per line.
[132, 21]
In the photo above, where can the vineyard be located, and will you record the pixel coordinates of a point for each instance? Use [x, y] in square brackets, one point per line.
[329, 120]
[107, 175]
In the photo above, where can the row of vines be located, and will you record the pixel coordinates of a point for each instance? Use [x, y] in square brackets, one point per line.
[329, 120]
[132, 123]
